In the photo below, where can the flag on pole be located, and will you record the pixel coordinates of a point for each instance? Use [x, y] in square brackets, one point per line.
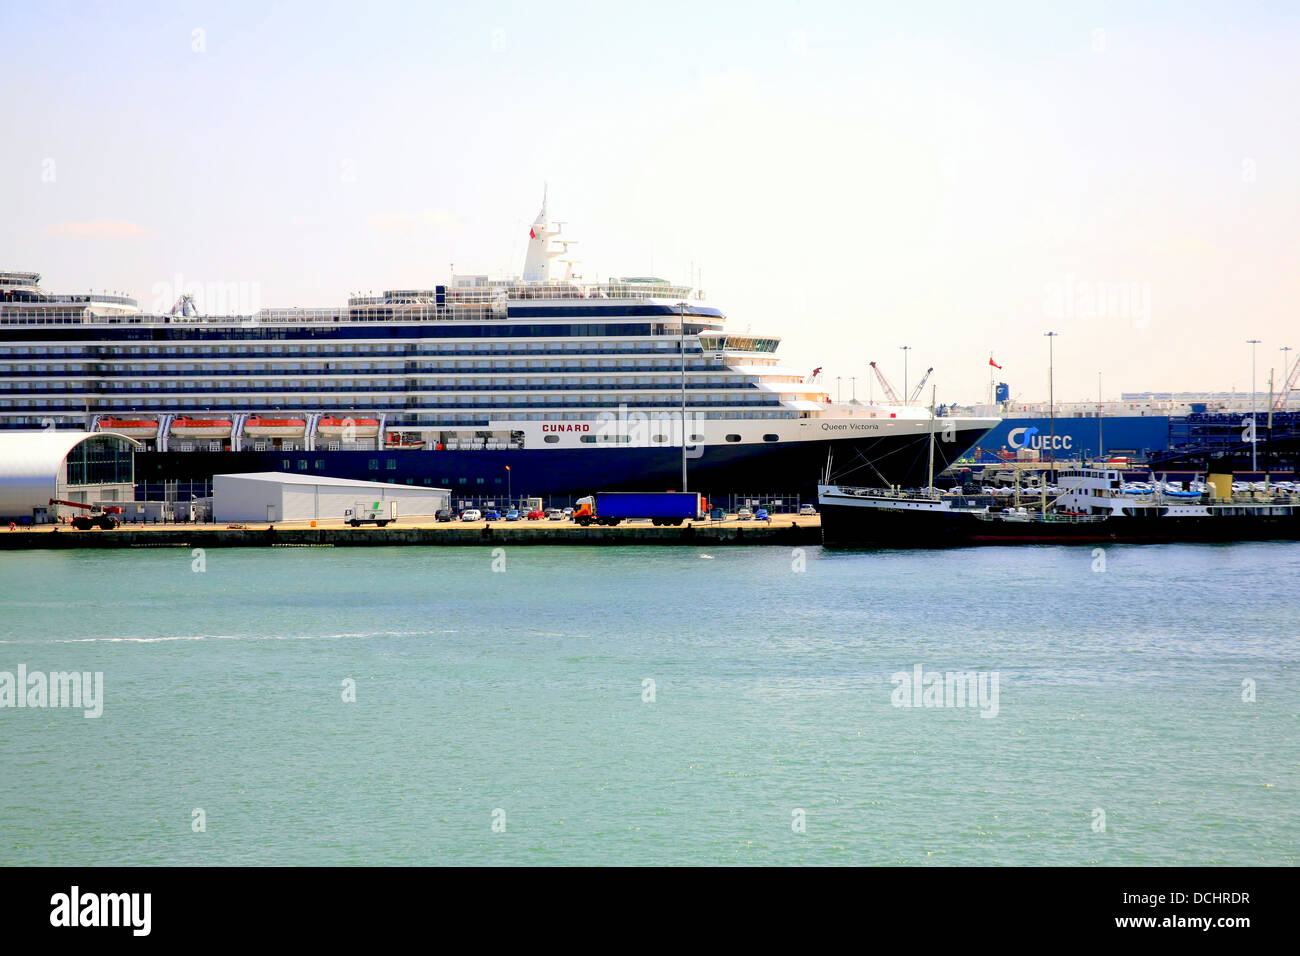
[532, 233]
[993, 363]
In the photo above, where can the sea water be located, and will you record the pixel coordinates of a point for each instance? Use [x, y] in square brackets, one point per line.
[654, 705]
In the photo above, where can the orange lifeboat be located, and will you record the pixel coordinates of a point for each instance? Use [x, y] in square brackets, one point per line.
[131, 427]
[348, 428]
[201, 428]
[275, 427]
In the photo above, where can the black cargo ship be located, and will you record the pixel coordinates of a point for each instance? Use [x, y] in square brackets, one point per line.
[1093, 509]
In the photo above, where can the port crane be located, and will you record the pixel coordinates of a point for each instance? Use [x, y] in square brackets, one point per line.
[1279, 403]
[885, 386]
[916, 392]
[102, 518]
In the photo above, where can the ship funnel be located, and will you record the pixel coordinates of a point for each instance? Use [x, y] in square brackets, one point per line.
[537, 264]
[1221, 486]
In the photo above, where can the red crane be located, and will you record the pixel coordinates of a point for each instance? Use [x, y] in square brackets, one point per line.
[98, 517]
[1279, 403]
[885, 386]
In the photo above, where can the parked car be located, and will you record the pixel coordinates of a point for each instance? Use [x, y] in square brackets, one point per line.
[492, 515]
[568, 512]
[513, 515]
[444, 514]
[471, 514]
[555, 514]
[762, 515]
[536, 515]
[744, 514]
[807, 510]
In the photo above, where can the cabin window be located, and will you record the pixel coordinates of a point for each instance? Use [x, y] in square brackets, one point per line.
[551, 439]
[733, 438]
[771, 438]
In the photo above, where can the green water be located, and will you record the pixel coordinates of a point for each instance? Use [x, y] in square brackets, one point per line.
[521, 690]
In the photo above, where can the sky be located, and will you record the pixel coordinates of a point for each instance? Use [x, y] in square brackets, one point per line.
[853, 177]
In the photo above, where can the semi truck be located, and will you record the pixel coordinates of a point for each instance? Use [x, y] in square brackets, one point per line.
[661, 507]
[371, 512]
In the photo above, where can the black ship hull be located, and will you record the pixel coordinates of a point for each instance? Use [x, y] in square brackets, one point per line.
[788, 468]
[846, 525]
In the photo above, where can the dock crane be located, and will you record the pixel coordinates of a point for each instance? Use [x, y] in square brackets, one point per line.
[916, 392]
[1279, 403]
[102, 518]
[885, 386]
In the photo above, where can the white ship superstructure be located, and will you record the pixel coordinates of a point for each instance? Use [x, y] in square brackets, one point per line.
[573, 382]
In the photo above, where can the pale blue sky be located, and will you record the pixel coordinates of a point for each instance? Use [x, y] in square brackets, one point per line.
[853, 177]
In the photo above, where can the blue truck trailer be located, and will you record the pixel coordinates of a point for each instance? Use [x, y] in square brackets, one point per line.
[661, 507]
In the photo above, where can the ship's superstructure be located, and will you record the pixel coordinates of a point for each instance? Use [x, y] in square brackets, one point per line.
[569, 385]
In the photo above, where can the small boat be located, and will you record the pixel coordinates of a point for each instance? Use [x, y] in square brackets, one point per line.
[201, 428]
[275, 427]
[394, 440]
[130, 427]
[348, 428]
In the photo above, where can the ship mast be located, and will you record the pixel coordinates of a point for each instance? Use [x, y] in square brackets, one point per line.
[933, 390]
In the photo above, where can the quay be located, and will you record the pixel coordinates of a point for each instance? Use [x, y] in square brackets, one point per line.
[786, 530]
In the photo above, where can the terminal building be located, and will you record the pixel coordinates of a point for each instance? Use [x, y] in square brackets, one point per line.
[39, 466]
[285, 496]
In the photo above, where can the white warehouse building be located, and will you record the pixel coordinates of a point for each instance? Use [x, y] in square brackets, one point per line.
[281, 496]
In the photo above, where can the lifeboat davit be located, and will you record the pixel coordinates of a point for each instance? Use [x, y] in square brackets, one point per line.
[348, 428]
[201, 428]
[275, 427]
[131, 427]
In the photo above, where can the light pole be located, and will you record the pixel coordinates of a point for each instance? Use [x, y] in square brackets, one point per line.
[683, 307]
[509, 487]
[853, 389]
[837, 389]
[905, 349]
[1254, 462]
[1051, 398]
[1101, 448]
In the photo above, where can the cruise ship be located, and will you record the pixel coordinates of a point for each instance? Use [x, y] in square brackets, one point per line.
[542, 384]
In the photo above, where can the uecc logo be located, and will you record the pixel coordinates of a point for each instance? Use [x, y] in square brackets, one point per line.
[1031, 437]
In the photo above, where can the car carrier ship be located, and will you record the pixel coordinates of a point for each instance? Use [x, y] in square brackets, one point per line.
[543, 382]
